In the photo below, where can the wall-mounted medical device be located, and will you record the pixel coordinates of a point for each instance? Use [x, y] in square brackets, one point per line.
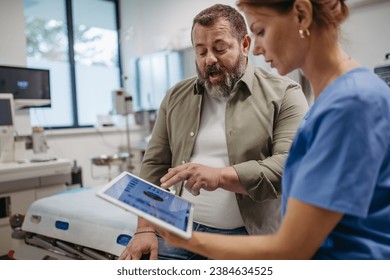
[383, 69]
[7, 119]
[122, 102]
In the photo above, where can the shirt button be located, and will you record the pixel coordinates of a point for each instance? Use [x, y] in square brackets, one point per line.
[192, 134]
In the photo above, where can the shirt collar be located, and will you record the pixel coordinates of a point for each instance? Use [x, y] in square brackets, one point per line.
[248, 78]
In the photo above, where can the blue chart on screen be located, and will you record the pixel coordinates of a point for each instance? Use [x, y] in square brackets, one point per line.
[151, 200]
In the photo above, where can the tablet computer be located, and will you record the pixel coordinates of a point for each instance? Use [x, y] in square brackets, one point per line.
[150, 202]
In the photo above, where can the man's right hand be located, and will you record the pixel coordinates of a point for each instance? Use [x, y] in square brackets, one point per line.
[143, 243]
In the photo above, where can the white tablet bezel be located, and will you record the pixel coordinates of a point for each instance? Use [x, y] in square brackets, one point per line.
[184, 234]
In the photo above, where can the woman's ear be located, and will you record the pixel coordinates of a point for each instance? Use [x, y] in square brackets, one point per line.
[304, 11]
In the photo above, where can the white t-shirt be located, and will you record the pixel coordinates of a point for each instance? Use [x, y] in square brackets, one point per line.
[217, 208]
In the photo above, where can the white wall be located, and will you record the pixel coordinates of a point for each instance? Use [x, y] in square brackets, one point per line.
[12, 43]
[366, 33]
[151, 25]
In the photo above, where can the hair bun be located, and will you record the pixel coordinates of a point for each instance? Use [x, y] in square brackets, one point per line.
[336, 10]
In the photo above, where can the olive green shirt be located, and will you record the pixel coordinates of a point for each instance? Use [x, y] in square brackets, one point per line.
[262, 117]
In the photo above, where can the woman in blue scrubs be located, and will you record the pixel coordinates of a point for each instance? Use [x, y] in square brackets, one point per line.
[336, 181]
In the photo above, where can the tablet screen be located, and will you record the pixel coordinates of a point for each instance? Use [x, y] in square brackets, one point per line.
[145, 197]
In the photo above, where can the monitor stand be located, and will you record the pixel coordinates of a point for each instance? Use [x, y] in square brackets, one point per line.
[6, 144]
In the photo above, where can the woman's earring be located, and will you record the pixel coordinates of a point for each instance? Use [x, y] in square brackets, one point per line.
[304, 33]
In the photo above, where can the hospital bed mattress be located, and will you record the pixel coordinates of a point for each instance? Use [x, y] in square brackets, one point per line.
[75, 224]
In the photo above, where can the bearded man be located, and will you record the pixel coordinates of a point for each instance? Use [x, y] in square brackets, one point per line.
[221, 138]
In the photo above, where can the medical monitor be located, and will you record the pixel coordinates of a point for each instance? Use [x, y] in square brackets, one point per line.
[30, 87]
[383, 71]
[6, 110]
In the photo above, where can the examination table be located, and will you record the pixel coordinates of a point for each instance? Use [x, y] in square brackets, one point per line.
[75, 224]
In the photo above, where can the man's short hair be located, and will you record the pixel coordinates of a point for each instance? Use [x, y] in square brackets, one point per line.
[211, 15]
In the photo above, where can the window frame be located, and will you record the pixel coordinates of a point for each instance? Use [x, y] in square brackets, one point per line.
[72, 63]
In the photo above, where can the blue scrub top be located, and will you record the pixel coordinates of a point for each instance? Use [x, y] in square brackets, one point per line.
[340, 160]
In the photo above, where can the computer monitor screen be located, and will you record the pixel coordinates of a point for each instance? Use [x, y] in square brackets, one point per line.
[30, 87]
[383, 71]
[6, 110]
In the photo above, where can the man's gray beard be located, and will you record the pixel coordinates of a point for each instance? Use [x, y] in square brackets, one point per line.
[224, 88]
